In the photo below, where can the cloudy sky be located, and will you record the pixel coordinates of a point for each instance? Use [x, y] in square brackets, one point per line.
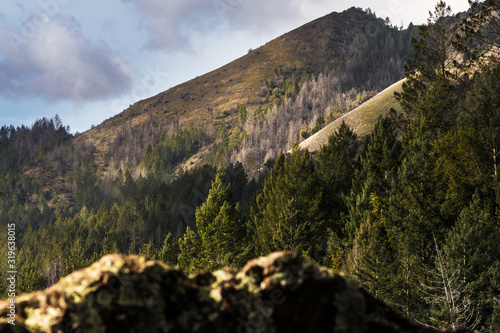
[89, 60]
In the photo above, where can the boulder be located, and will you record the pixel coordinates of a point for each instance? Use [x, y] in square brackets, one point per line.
[282, 292]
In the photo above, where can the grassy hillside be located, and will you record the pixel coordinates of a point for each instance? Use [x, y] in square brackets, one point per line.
[216, 95]
[255, 81]
[247, 111]
[362, 119]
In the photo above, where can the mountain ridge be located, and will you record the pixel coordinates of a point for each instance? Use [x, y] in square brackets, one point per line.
[247, 111]
[216, 96]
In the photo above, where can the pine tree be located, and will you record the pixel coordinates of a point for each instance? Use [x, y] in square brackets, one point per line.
[170, 250]
[148, 251]
[190, 252]
[337, 165]
[433, 60]
[482, 113]
[417, 197]
[480, 32]
[76, 258]
[472, 248]
[106, 247]
[378, 171]
[413, 206]
[221, 232]
[219, 226]
[462, 168]
[288, 213]
[373, 261]
[381, 156]
[29, 279]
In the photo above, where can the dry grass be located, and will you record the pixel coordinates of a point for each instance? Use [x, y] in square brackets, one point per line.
[312, 48]
[362, 119]
[208, 99]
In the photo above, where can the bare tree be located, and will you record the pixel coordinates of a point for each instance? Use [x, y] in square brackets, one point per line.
[446, 291]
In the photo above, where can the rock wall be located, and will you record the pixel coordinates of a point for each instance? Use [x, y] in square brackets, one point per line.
[278, 293]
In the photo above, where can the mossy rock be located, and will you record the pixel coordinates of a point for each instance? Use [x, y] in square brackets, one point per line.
[282, 292]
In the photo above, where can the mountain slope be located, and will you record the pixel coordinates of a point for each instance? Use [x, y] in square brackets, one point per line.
[257, 81]
[247, 111]
[362, 119]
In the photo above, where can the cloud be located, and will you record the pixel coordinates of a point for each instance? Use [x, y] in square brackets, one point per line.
[50, 58]
[171, 23]
[264, 15]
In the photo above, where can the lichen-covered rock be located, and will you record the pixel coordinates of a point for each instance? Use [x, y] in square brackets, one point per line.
[278, 293]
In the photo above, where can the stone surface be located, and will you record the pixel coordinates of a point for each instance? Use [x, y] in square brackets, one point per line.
[278, 293]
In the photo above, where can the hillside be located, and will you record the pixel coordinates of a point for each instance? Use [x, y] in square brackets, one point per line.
[312, 48]
[362, 119]
[245, 112]
[264, 79]
[410, 212]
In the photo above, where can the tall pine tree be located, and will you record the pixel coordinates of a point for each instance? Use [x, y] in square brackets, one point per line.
[433, 60]
[378, 170]
[337, 165]
[221, 234]
[482, 113]
[288, 214]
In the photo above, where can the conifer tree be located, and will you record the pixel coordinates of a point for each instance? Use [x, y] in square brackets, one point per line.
[482, 112]
[480, 31]
[106, 247]
[148, 250]
[417, 197]
[190, 252]
[414, 206]
[337, 166]
[472, 248]
[76, 258]
[288, 214]
[462, 168]
[378, 171]
[433, 59]
[221, 233]
[373, 261]
[29, 278]
[219, 226]
[170, 250]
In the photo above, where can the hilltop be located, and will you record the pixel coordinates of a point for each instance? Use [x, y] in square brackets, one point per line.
[260, 82]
